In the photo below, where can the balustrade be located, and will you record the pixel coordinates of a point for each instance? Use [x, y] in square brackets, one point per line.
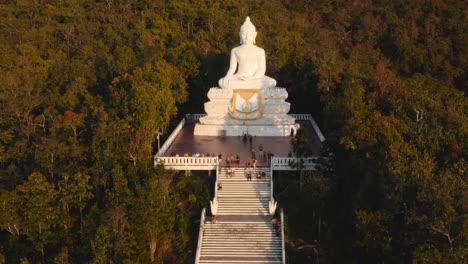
[200, 236]
[194, 116]
[283, 249]
[305, 163]
[171, 138]
[187, 163]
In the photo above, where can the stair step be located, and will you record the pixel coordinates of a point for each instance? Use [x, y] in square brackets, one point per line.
[251, 237]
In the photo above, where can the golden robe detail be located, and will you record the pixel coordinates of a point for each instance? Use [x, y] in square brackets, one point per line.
[246, 104]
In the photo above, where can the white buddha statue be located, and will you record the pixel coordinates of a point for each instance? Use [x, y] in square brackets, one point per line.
[251, 60]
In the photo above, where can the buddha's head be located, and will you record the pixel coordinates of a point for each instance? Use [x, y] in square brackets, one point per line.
[247, 32]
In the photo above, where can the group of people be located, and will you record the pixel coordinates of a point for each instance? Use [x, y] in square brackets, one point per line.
[251, 163]
[259, 175]
[197, 154]
[231, 159]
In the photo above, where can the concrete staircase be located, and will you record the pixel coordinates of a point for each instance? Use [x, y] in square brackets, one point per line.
[244, 232]
[241, 197]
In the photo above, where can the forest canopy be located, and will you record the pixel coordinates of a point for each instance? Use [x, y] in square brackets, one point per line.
[86, 85]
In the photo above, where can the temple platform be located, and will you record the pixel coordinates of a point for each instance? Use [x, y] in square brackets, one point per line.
[187, 142]
[240, 130]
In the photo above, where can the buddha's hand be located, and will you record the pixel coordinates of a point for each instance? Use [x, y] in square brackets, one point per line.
[245, 78]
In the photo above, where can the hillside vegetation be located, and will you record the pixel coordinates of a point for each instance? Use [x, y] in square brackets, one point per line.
[86, 84]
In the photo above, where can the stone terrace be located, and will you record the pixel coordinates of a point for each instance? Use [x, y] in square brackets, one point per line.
[279, 146]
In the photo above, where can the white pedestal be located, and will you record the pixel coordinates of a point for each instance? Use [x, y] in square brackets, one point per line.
[274, 120]
[264, 131]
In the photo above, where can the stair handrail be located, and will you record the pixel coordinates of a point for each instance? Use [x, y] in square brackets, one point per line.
[200, 236]
[283, 250]
[216, 182]
[271, 180]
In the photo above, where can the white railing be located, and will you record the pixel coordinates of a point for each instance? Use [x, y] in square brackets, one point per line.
[170, 139]
[305, 163]
[194, 116]
[211, 163]
[200, 236]
[275, 89]
[216, 182]
[302, 116]
[187, 163]
[312, 121]
[271, 181]
[283, 250]
[317, 130]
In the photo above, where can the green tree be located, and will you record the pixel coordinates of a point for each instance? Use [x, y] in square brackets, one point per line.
[114, 241]
[154, 211]
[39, 211]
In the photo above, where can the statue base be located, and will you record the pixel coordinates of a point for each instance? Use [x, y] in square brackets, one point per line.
[254, 130]
[256, 112]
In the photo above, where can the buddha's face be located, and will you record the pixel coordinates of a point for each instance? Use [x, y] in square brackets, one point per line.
[247, 37]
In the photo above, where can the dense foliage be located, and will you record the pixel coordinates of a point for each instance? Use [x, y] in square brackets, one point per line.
[85, 86]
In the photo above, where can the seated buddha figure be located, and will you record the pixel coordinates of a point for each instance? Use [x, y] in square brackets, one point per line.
[249, 60]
